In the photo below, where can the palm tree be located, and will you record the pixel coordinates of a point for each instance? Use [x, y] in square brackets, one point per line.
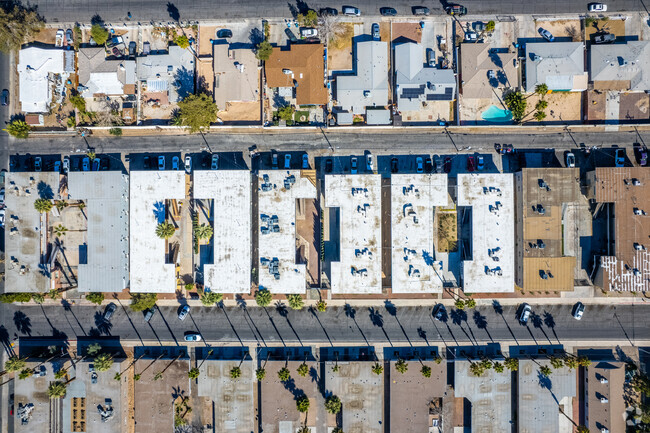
[401, 366]
[460, 304]
[165, 230]
[512, 364]
[103, 362]
[541, 89]
[61, 373]
[476, 368]
[377, 369]
[43, 205]
[303, 369]
[337, 430]
[295, 302]
[333, 404]
[56, 390]
[470, 303]
[235, 372]
[137, 376]
[321, 306]
[25, 373]
[284, 374]
[438, 359]
[571, 363]
[60, 230]
[260, 374]
[204, 231]
[426, 371]
[583, 361]
[193, 373]
[302, 403]
[15, 363]
[556, 362]
[498, 367]
[210, 298]
[545, 370]
[263, 297]
[582, 429]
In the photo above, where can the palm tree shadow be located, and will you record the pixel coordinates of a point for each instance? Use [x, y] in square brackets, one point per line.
[377, 320]
[481, 323]
[498, 309]
[277, 331]
[225, 313]
[103, 326]
[537, 322]
[23, 323]
[282, 311]
[313, 312]
[351, 313]
[549, 321]
[241, 303]
[457, 318]
[392, 310]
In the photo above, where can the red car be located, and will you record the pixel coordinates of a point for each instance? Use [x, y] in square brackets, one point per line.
[470, 164]
[447, 164]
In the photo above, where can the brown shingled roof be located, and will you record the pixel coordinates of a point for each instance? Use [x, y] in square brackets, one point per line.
[307, 72]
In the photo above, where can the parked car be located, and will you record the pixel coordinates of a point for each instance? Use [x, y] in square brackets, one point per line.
[419, 164]
[188, 164]
[146, 48]
[420, 10]
[215, 162]
[351, 10]
[2, 217]
[290, 35]
[438, 162]
[287, 160]
[305, 161]
[546, 34]
[148, 314]
[224, 33]
[597, 7]
[604, 38]
[104, 164]
[5, 97]
[57, 166]
[192, 336]
[439, 312]
[353, 166]
[328, 165]
[570, 160]
[457, 10]
[161, 162]
[95, 164]
[176, 163]
[578, 310]
[643, 161]
[184, 311]
[58, 41]
[110, 310]
[274, 161]
[133, 48]
[68, 36]
[328, 12]
[619, 158]
[85, 164]
[308, 32]
[375, 31]
[369, 165]
[393, 165]
[387, 12]
[38, 164]
[447, 164]
[431, 57]
[147, 162]
[427, 164]
[471, 166]
[2, 197]
[116, 52]
[66, 164]
[524, 313]
[480, 163]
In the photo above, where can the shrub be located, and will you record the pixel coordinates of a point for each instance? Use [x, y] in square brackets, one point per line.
[99, 34]
[321, 306]
[264, 50]
[182, 41]
[117, 132]
[18, 129]
[95, 297]
[143, 301]
[210, 298]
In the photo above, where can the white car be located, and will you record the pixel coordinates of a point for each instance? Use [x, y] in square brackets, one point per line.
[597, 7]
[188, 164]
[570, 160]
[2, 217]
[369, 165]
[308, 33]
[60, 35]
[66, 164]
[2, 198]
[351, 10]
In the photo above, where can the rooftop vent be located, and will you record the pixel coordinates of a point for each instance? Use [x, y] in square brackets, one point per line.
[603, 380]
[604, 400]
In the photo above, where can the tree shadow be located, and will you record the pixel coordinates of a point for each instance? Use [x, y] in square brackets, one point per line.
[314, 313]
[481, 323]
[392, 310]
[23, 323]
[173, 12]
[537, 322]
[284, 312]
[184, 82]
[457, 318]
[274, 326]
[241, 303]
[102, 325]
[256, 37]
[377, 320]
[225, 313]
[498, 309]
[44, 190]
[423, 335]
[96, 19]
[549, 321]
[351, 313]
[67, 307]
[4, 339]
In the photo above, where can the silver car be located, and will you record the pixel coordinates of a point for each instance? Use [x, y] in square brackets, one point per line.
[351, 10]
[182, 315]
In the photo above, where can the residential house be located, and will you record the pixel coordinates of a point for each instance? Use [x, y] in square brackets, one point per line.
[559, 65]
[368, 86]
[298, 71]
[604, 404]
[621, 66]
[485, 69]
[236, 75]
[416, 84]
[41, 72]
[167, 77]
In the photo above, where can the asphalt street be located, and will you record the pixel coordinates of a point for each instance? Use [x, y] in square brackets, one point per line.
[552, 324]
[147, 10]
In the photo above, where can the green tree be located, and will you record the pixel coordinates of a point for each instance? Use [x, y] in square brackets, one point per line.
[182, 41]
[284, 374]
[196, 112]
[556, 362]
[56, 390]
[460, 304]
[210, 298]
[512, 364]
[235, 372]
[137, 376]
[264, 50]
[516, 104]
[60, 374]
[99, 34]
[204, 231]
[545, 370]
[541, 89]
[263, 297]
[426, 371]
[337, 430]
[103, 362]
[489, 27]
[583, 361]
[498, 367]
[165, 230]
[401, 366]
[471, 303]
[60, 230]
[377, 368]
[303, 369]
[582, 429]
[18, 128]
[193, 373]
[93, 349]
[54, 294]
[286, 112]
[486, 364]
[116, 132]
[78, 102]
[476, 368]
[43, 205]
[302, 403]
[117, 376]
[17, 25]
[39, 298]
[143, 301]
[295, 302]
[260, 374]
[438, 359]
[539, 116]
[8, 298]
[571, 362]
[309, 19]
[333, 404]
[95, 297]
[25, 373]
[321, 306]
[541, 105]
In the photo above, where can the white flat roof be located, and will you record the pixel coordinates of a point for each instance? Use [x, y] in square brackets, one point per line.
[148, 192]
[493, 235]
[34, 66]
[413, 197]
[231, 192]
[276, 200]
[359, 198]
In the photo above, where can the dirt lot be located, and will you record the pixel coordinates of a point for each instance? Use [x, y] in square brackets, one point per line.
[616, 27]
[410, 31]
[339, 53]
[561, 28]
[596, 106]
[634, 106]
[206, 34]
[241, 111]
[562, 107]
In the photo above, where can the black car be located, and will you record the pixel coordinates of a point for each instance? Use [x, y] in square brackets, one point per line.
[457, 10]
[224, 33]
[388, 12]
[290, 35]
[328, 166]
[147, 162]
[104, 164]
[440, 312]
[5, 97]
[110, 310]
[328, 12]
[393, 165]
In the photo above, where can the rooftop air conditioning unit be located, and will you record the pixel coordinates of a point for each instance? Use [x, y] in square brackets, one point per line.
[604, 400]
[367, 93]
[604, 430]
[603, 380]
[287, 71]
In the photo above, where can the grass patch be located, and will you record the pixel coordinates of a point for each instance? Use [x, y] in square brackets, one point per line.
[447, 232]
[301, 116]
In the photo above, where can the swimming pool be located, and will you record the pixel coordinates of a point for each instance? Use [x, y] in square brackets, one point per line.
[496, 114]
